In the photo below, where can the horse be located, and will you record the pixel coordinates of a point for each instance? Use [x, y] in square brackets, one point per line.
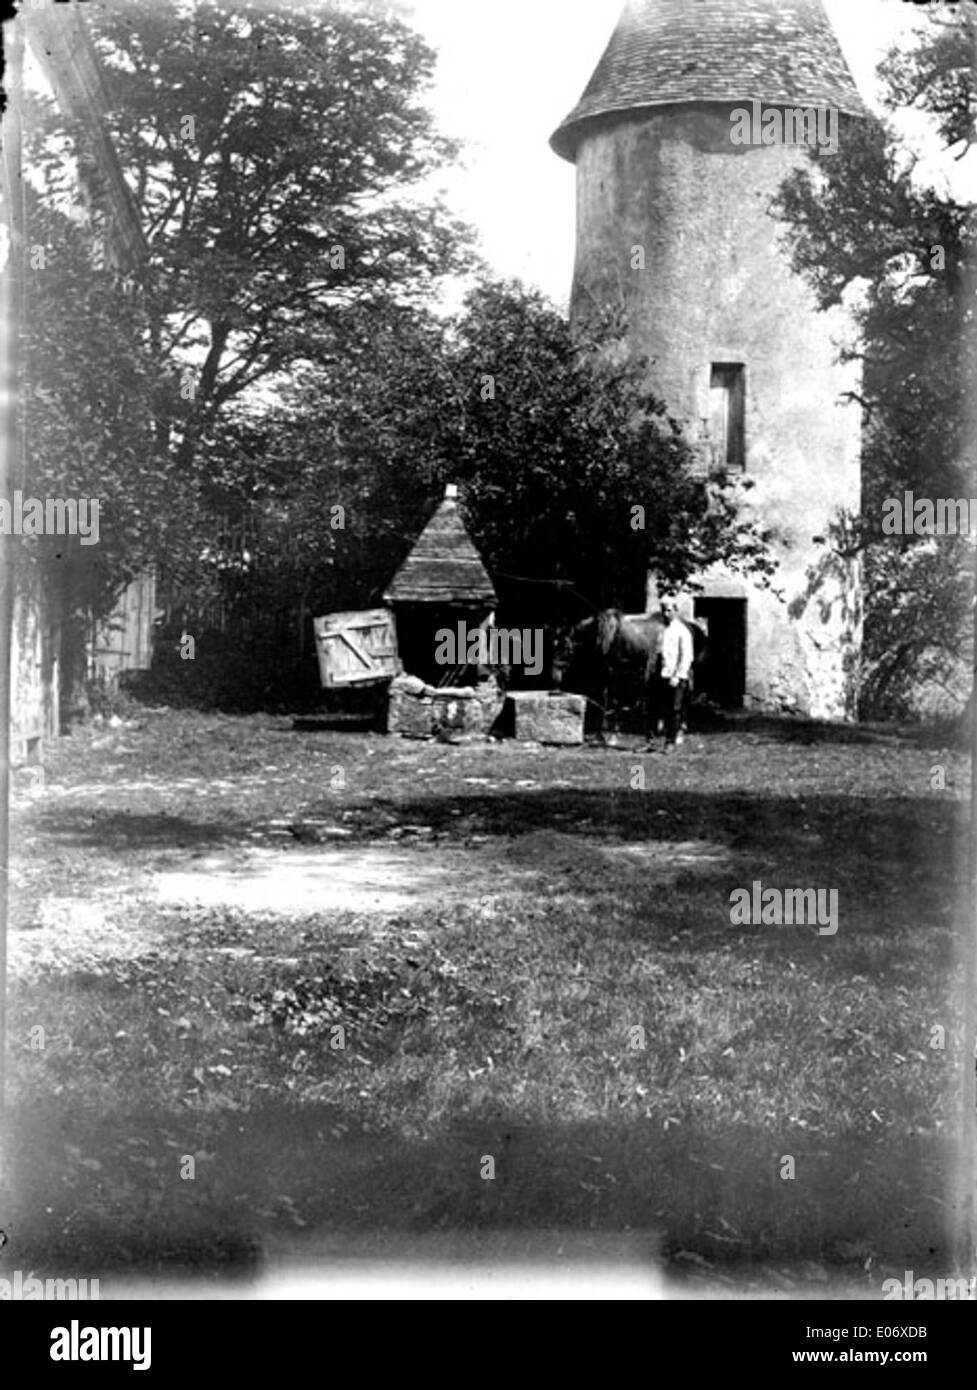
[597, 652]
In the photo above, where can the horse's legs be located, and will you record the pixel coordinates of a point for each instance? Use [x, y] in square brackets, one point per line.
[651, 706]
[602, 714]
[686, 707]
[654, 703]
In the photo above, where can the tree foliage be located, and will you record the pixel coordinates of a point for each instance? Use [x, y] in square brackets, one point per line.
[573, 475]
[275, 152]
[88, 383]
[869, 231]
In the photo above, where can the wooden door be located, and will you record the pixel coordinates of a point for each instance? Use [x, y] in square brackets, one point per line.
[354, 648]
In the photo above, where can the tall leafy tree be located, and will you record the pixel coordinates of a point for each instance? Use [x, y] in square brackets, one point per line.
[275, 152]
[90, 381]
[868, 230]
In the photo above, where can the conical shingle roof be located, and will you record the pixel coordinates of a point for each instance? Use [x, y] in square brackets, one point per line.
[779, 52]
[444, 566]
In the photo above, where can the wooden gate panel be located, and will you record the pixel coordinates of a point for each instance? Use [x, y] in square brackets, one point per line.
[354, 648]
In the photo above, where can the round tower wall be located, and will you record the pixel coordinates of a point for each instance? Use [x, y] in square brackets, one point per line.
[674, 223]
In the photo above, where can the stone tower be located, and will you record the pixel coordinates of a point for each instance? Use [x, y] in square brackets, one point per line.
[673, 222]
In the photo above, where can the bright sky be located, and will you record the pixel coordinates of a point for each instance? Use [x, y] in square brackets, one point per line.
[510, 71]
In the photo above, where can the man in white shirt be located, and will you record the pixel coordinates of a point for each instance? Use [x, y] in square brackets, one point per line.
[677, 654]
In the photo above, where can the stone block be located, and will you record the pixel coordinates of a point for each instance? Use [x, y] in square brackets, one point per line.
[541, 717]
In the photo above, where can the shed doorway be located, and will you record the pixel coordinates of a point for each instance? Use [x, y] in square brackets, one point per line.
[722, 676]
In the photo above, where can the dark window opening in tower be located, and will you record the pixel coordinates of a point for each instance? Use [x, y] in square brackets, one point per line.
[727, 400]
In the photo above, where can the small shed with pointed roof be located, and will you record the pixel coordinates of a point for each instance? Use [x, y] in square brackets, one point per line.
[442, 584]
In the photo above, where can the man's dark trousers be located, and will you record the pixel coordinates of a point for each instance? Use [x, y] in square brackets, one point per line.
[671, 702]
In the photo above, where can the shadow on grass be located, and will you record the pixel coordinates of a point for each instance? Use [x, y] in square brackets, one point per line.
[875, 843]
[122, 832]
[279, 1174]
[795, 729]
[896, 862]
[707, 719]
[832, 828]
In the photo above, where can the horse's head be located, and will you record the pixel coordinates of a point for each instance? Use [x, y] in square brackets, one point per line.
[570, 646]
[608, 627]
[562, 655]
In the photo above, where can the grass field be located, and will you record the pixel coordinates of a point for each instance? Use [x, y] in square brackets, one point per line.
[340, 971]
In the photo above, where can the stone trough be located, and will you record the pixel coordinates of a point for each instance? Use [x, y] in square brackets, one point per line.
[418, 710]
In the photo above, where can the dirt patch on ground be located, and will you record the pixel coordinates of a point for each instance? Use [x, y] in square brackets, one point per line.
[382, 878]
[364, 879]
